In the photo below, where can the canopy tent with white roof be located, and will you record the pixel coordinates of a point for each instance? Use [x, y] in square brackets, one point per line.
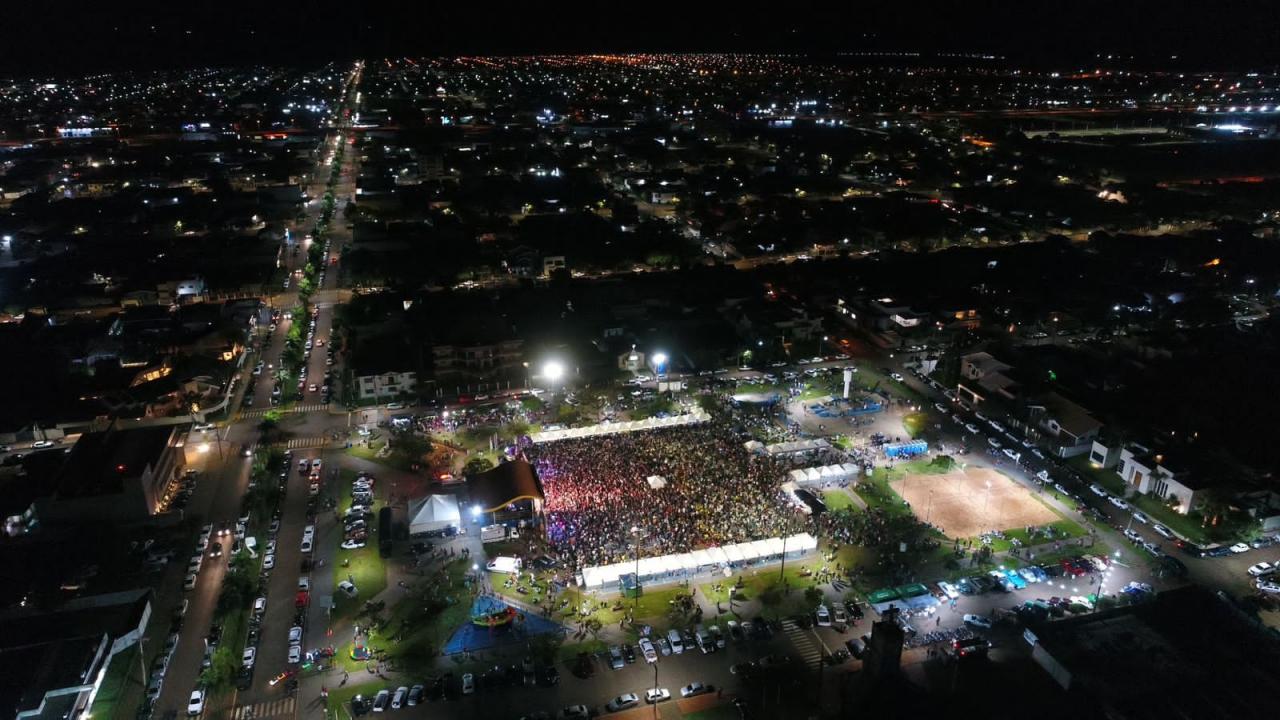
[685, 564]
[433, 513]
[693, 418]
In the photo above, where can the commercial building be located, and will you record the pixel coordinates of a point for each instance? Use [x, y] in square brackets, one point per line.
[116, 475]
[983, 378]
[1189, 653]
[54, 663]
[384, 385]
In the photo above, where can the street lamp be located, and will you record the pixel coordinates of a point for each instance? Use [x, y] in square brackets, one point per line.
[659, 362]
[553, 370]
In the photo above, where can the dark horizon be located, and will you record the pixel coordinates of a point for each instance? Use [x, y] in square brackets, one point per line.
[1046, 34]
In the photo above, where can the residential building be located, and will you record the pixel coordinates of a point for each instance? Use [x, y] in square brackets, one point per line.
[1073, 428]
[1152, 472]
[983, 378]
[391, 384]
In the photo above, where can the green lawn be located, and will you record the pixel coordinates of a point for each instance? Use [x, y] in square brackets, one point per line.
[367, 569]
[915, 423]
[1108, 479]
[1188, 526]
[756, 388]
[813, 391]
[122, 687]
[1064, 528]
[838, 500]
[417, 635]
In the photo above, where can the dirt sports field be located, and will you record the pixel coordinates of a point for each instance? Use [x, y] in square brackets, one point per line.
[959, 499]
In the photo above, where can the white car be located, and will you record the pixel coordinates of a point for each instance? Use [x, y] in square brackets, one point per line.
[622, 702]
[348, 545]
[646, 648]
[295, 654]
[250, 654]
[1118, 502]
[268, 561]
[259, 606]
[949, 590]
[190, 582]
[468, 683]
[994, 443]
[295, 634]
[980, 621]
[195, 705]
[1240, 548]
[306, 545]
[1262, 568]
[348, 588]
[656, 695]
[823, 616]
[315, 464]
[397, 700]
[971, 428]
[1139, 517]
[1162, 531]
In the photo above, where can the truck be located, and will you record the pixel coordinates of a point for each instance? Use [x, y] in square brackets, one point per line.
[493, 533]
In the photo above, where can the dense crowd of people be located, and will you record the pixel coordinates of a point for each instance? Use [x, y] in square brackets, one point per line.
[716, 493]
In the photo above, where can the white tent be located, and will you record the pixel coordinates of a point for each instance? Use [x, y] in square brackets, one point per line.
[717, 556]
[503, 564]
[433, 513]
[733, 553]
[702, 558]
[692, 418]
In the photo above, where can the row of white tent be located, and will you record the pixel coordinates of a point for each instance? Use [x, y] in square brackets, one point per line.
[797, 446]
[698, 560]
[825, 473]
[653, 423]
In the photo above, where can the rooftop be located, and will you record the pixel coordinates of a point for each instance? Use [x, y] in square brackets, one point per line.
[100, 462]
[1186, 654]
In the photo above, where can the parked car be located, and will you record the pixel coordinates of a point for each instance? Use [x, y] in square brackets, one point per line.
[646, 648]
[381, 701]
[693, 689]
[656, 695]
[622, 702]
[195, 704]
[978, 621]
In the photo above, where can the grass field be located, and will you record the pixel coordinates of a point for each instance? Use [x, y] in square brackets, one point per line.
[122, 686]
[421, 635]
[367, 569]
[915, 423]
[838, 499]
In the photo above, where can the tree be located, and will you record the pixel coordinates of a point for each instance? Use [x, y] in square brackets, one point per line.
[477, 465]
[813, 595]
[221, 671]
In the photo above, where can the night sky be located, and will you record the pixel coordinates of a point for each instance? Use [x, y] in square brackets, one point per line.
[75, 37]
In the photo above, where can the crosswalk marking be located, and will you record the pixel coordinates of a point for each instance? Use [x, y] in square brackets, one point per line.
[314, 407]
[308, 442]
[806, 644]
[279, 707]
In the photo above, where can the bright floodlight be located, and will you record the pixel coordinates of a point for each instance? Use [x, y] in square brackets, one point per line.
[476, 510]
[660, 358]
[553, 371]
